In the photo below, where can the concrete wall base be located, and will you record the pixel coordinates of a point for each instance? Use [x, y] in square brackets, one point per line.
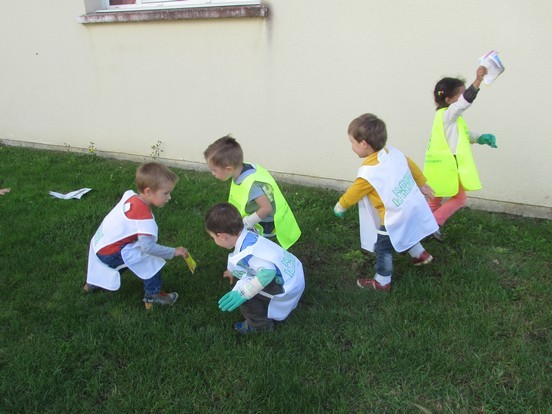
[495, 206]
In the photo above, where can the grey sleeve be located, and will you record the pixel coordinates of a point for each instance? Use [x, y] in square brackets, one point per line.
[470, 94]
[148, 245]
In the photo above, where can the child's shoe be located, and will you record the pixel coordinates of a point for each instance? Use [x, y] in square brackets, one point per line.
[373, 284]
[244, 328]
[89, 288]
[424, 258]
[161, 298]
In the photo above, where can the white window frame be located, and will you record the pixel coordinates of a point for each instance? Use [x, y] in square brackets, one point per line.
[175, 4]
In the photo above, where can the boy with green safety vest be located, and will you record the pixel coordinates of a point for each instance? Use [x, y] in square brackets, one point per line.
[253, 192]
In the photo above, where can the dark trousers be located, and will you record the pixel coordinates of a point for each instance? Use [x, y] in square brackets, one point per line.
[255, 310]
[152, 286]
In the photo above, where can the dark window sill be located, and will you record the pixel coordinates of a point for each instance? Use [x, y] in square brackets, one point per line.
[223, 12]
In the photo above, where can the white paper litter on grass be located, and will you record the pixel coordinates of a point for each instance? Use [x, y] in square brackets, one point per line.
[493, 64]
[73, 194]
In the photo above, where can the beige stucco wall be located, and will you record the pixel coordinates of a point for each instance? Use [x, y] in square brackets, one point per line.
[286, 87]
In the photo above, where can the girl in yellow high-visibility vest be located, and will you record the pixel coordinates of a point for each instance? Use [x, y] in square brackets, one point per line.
[449, 166]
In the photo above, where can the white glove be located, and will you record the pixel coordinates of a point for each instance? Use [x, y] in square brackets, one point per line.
[251, 220]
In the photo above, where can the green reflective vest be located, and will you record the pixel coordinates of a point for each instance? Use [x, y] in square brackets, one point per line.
[285, 226]
[441, 168]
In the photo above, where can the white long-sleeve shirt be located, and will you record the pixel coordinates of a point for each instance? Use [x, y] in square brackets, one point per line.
[450, 116]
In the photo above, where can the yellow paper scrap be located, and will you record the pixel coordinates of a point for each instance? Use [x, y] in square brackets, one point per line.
[191, 263]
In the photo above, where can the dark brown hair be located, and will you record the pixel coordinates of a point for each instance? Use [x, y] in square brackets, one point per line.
[369, 128]
[224, 152]
[446, 88]
[224, 218]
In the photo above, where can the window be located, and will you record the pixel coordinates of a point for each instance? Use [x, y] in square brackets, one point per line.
[127, 5]
[120, 11]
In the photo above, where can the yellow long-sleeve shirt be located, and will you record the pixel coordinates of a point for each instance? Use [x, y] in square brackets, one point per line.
[361, 187]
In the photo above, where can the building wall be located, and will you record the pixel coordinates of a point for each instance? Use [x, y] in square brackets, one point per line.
[286, 86]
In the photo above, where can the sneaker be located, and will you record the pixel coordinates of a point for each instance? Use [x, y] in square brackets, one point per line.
[439, 236]
[88, 288]
[161, 298]
[424, 258]
[374, 284]
[244, 328]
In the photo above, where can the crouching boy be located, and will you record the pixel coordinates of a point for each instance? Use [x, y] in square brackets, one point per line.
[271, 280]
[127, 238]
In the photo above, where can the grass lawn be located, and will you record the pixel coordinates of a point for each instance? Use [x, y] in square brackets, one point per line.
[469, 333]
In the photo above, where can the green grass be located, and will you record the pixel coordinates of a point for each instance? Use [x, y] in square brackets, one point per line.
[470, 333]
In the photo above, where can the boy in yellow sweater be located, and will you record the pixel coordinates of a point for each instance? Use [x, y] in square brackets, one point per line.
[394, 186]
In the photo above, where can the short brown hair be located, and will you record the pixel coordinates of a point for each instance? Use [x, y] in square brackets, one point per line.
[153, 175]
[369, 128]
[224, 152]
[224, 218]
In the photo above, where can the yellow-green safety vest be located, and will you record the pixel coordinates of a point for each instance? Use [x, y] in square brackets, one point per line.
[285, 226]
[441, 168]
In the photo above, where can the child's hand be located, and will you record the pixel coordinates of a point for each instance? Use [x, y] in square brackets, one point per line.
[339, 211]
[480, 73]
[427, 191]
[228, 275]
[181, 251]
[488, 139]
[232, 300]
[4, 191]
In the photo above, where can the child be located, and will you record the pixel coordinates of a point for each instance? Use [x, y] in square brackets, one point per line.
[253, 191]
[271, 280]
[127, 237]
[389, 181]
[449, 165]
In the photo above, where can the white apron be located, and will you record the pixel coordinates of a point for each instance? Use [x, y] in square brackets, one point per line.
[117, 226]
[408, 218]
[289, 266]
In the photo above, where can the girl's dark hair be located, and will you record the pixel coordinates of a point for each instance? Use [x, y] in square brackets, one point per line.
[444, 89]
[224, 218]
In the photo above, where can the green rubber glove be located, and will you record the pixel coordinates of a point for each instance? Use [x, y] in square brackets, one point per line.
[488, 139]
[339, 211]
[232, 300]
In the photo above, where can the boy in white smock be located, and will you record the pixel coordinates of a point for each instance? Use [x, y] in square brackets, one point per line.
[394, 186]
[127, 238]
[271, 280]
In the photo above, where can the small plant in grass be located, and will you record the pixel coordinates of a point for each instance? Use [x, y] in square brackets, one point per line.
[156, 150]
[91, 149]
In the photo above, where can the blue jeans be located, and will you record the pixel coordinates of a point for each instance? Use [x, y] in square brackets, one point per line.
[152, 286]
[384, 254]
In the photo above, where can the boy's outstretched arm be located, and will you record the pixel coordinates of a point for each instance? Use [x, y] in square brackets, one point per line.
[233, 299]
[359, 189]
[149, 246]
